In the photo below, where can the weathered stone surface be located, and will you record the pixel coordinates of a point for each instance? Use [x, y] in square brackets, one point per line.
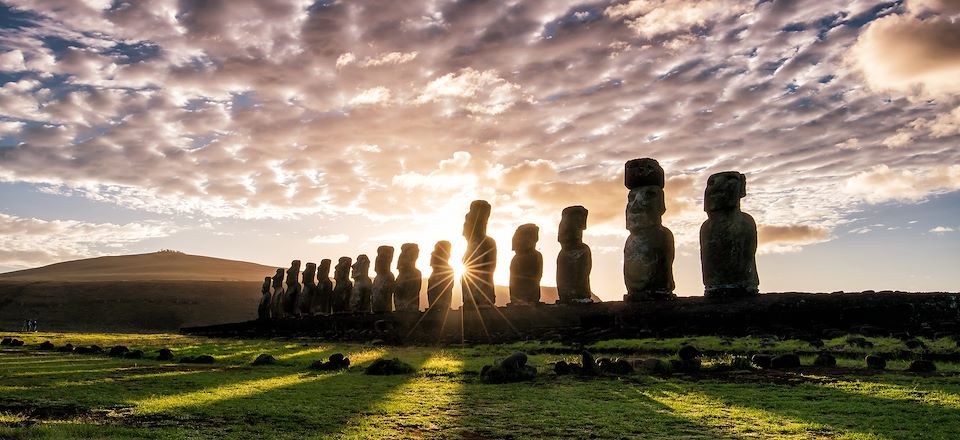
[335, 362]
[264, 359]
[728, 239]
[291, 296]
[409, 279]
[688, 352]
[526, 268]
[786, 360]
[362, 285]
[762, 360]
[922, 366]
[199, 359]
[388, 367]
[276, 301]
[479, 259]
[574, 261]
[343, 291]
[875, 362]
[263, 310]
[825, 360]
[164, 354]
[118, 350]
[513, 368]
[135, 354]
[46, 345]
[440, 283]
[308, 294]
[648, 253]
[385, 283]
[324, 296]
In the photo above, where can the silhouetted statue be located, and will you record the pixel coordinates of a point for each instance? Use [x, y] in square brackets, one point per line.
[440, 283]
[480, 258]
[321, 303]
[276, 302]
[343, 291]
[648, 253]
[291, 298]
[384, 284]
[526, 268]
[728, 239]
[263, 310]
[362, 285]
[308, 293]
[574, 261]
[409, 279]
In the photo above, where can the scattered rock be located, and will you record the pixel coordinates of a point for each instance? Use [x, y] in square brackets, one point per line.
[875, 362]
[914, 344]
[562, 368]
[264, 359]
[652, 366]
[335, 362]
[786, 360]
[46, 345]
[386, 367]
[922, 366]
[588, 366]
[200, 359]
[135, 354]
[825, 360]
[761, 360]
[513, 368]
[688, 352]
[118, 350]
[16, 343]
[6, 341]
[66, 348]
[617, 367]
[164, 354]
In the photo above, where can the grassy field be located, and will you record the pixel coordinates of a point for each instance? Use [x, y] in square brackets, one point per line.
[45, 394]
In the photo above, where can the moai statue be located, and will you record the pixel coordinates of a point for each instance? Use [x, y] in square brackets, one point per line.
[385, 283]
[343, 291]
[291, 298]
[409, 279]
[440, 283]
[321, 303]
[728, 239]
[526, 268]
[276, 302]
[263, 310]
[480, 258]
[308, 293]
[362, 285]
[648, 253]
[574, 261]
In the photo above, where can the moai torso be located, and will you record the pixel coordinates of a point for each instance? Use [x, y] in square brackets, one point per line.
[728, 239]
[526, 267]
[308, 293]
[263, 310]
[276, 302]
[574, 261]
[479, 259]
[362, 286]
[343, 290]
[384, 284]
[649, 250]
[291, 297]
[324, 296]
[440, 283]
[409, 279]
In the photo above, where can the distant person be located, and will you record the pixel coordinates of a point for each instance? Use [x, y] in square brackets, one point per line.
[33, 326]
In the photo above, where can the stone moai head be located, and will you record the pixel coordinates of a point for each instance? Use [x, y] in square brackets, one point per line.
[724, 191]
[267, 281]
[294, 271]
[526, 237]
[309, 271]
[342, 271]
[278, 278]
[573, 221]
[441, 254]
[642, 172]
[323, 270]
[361, 268]
[645, 203]
[409, 253]
[384, 259]
[475, 222]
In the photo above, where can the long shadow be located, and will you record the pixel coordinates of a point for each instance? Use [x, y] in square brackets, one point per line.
[839, 410]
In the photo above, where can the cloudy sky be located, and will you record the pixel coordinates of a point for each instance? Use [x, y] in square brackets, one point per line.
[272, 130]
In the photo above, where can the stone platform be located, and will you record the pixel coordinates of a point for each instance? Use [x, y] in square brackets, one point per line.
[799, 315]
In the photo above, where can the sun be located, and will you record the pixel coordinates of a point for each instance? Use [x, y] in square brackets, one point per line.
[458, 268]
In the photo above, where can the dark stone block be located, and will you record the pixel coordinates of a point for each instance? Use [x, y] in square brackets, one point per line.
[388, 367]
[787, 360]
[118, 350]
[762, 360]
[66, 348]
[200, 359]
[135, 354]
[922, 366]
[915, 344]
[825, 360]
[688, 352]
[164, 354]
[875, 362]
[513, 368]
[335, 362]
[264, 359]
[46, 345]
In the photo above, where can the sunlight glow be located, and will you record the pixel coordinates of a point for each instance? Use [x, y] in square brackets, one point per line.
[216, 394]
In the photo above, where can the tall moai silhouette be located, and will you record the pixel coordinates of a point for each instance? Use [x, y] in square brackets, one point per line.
[440, 283]
[574, 261]
[480, 258]
[291, 295]
[324, 296]
[343, 290]
[728, 239]
[409, 279]
[276, 302]
[308, 293]
[362, 285]
[648, 253]
[263, 309]
[385, 283]
[526, 267]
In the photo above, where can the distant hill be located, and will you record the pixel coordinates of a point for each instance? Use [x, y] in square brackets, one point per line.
[157, 266]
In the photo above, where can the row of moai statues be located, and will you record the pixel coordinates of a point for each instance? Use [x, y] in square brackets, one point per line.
[728, 245]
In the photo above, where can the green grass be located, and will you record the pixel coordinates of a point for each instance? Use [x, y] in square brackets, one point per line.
[57, 395]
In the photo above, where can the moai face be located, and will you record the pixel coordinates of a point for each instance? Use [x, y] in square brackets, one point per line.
[643, 172]
[362, 267]
[724, 191]
[323, 271]
[278, 278]
[526, 237]
[342, 271]
[572, 223]
[409, 253]
[384, 258]
[645, 207]
[266, 284]
[441, 254]
[475, 222]
[294, 271]
[308, 273]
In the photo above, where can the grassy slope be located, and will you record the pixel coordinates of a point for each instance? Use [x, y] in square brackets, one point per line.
[50, 395]
[155, 266]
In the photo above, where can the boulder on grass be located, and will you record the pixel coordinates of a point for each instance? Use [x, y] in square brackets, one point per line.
[761, 360]
[135, 354]
[875, 362]
[46, 345]
[66, 348]
[513, 368]
[199, 359]
[825, 360]
[387, 367]
[164, 354]
[118, 350]
[264, 359]
[922, 366]
[335, 362]
[786, 360]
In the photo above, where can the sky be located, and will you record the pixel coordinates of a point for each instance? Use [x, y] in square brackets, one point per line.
[268, 131]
